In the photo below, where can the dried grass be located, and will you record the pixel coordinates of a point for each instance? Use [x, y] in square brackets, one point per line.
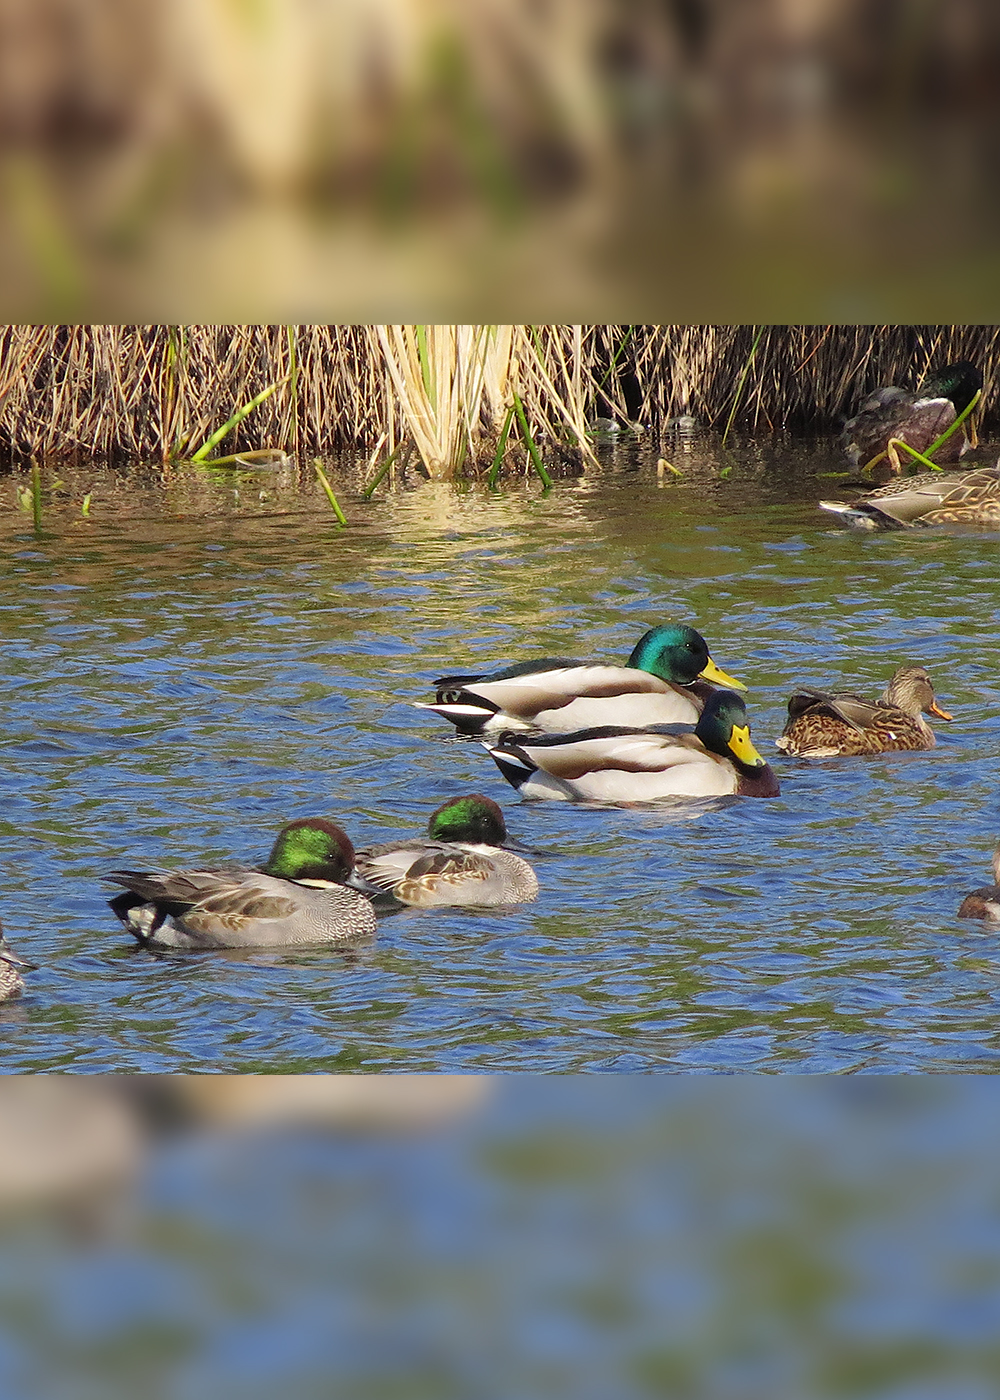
[156, 392]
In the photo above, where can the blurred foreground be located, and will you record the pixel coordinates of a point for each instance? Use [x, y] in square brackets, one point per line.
[311, 160]
[460, 1237]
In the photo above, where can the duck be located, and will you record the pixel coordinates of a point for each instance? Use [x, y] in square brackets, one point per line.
[931, 498]
[299, 898]
[666, 680]
[461, 860]
[822, 725]
[615, 764]
[890, 416]
[11, 967]
[984, 903]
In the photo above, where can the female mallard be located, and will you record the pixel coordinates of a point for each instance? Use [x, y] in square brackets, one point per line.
[614, 764]
[460, 861]
[932, 498]
[666, 680]
[984, 903]
[821, 725]
[299, 897]
[11, 967]
[891, 415]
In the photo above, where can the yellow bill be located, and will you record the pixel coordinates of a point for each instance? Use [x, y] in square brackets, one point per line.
[742, 746]
[717, 676]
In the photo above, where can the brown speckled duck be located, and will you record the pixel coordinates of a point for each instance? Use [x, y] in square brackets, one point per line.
[932, 498]
[984, 903]
[823, 725]
[11, 967]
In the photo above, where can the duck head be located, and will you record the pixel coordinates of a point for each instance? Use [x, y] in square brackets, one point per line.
[724, 729]
[473, 819]
[678, 654]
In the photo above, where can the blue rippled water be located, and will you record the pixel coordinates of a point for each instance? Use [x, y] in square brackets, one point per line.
[198, 661]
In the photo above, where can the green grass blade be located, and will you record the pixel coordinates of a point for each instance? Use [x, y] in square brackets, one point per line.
[494, 471]
[742, 380]
[381, 472]
[957, 423]
[237, 417]
[535, 455]
[334, 503]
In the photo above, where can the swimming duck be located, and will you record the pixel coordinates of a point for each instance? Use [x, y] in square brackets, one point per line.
[614, 764]
[460, 861]
[890, 414]
[984, 903]
[11, 967]
[299, 897]
[821, 725]
[666, 680]
[932, 498]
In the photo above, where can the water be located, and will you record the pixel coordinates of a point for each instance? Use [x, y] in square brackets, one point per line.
[200, 660]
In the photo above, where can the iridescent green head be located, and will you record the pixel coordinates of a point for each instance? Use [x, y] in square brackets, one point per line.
[678, 654]
[960, 382]
[474, 819]
[311, 849]
[724, 729]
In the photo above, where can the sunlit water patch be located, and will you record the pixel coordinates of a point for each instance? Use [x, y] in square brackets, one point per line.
[198, 661]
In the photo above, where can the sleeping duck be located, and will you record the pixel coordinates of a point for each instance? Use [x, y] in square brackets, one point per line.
[891, 415]
[461, 860]
[822, 725]
[666, 680]
[612, 763]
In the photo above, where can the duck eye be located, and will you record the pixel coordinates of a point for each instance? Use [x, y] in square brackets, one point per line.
[448, 697]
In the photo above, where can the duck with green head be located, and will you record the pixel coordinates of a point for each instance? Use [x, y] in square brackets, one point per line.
[666, 680]
[463, 859]
[610, 763]
[890, 416]
[307, 893]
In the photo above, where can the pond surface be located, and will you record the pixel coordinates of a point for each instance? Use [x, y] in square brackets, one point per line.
[200, 659]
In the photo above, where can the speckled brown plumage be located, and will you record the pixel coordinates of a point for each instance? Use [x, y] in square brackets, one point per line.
[822, 725]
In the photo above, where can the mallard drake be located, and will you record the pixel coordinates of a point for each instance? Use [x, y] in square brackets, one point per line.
[11, 967]
[984, 903]
[821, 725]
[666, 680]
[299, 897]
[611, 763]
[460, 861]
[889, 415]
[932, 498]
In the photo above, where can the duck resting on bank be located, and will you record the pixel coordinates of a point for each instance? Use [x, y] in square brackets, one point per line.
[300, 897]
[823, 725]
[615, 764]
[932, 498]
[462, 860]
[891, 415]
[984, 903]
[666, 680]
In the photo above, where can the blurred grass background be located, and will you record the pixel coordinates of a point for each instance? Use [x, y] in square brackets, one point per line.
[300, 160]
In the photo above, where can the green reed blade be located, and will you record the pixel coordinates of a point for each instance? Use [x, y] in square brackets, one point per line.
[334, 503]
[494, 470]
[530, 441]
[237, 417]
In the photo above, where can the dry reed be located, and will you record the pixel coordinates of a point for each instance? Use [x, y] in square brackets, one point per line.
[160, 391]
